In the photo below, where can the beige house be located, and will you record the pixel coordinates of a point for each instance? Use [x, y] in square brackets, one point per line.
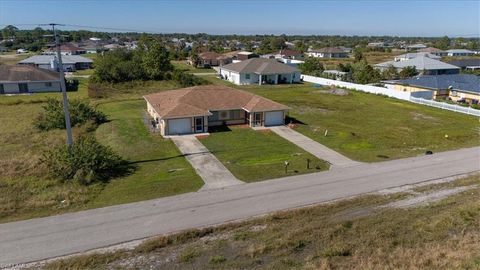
[195, 109]
[19, 79]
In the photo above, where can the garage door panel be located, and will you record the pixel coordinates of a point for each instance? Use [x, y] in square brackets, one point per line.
[274, 118]
[179, 126]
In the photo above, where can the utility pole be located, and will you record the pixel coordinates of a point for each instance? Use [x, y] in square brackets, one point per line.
[68, 125]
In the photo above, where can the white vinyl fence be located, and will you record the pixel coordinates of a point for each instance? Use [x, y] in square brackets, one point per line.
[415, 97]
[446, 106]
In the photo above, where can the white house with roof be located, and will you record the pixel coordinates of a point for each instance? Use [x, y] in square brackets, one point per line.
[408, 56]
[459, 52]
[50, 62]
[424, 65]
[18, 79]
[259, 71]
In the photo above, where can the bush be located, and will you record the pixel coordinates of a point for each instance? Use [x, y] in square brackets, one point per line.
[186, 80]
[86, 161]
[80, 113]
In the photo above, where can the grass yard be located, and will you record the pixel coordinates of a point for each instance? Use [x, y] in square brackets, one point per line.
[367, 127]
[182, 65]
[26, 190]
[258, 155]
[351, 234]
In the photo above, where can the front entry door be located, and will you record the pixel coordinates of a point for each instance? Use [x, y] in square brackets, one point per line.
[257, 119]
[198, 124]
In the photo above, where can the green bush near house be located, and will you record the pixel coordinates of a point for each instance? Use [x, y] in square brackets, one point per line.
[86, 161]
[80, 113]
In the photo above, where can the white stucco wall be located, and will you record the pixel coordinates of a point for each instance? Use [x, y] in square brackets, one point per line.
[33, 87]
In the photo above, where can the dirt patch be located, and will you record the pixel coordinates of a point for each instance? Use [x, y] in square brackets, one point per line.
[334, 91]
[424, 199]
[420, 116]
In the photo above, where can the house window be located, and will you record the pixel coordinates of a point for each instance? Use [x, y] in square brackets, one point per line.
[2, 89]
[48, 84]
[224, 115]
[247, 76]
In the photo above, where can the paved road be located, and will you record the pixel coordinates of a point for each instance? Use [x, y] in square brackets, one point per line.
[207, 166]
[322, 152]
[42, 238]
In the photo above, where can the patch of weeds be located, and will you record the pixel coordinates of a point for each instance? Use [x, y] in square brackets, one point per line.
[188, 254]
[217, 259]
[240, 236]
[299, 245]
[154, 244]
[336, 252]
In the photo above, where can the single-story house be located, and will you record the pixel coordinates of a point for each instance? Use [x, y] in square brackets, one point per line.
[259, 71]
[432, 50]
[66, 49]
[50, 62]
[460, 52]
[424, 65]
[284, 54]
[244, 55]
[195, 109]
[212, 59]
[329, 52]
[15, 79]
[468, 64]
[457, 87]
[408, 56]
[415, 46]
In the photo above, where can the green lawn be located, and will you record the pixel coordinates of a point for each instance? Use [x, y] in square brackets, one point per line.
[161, 169]
[258, 155]
[182, 65]
[26, 190]
[369, 127]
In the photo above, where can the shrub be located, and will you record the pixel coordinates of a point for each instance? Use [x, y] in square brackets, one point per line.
[80, 113]
[186, 80]
[86, 161]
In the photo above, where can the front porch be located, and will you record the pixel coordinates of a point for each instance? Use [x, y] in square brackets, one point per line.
[276, 78]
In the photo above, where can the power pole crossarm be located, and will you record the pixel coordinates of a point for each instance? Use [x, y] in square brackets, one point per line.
[66, 112]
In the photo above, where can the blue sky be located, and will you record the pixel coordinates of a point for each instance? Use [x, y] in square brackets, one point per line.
[375, 17]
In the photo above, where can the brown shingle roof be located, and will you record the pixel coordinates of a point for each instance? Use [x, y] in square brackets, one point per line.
[200, 100]
[25, 73]
[289, 52]
[209, 55]
[262, 66]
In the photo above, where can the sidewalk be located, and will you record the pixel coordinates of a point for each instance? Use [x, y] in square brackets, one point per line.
[335, 159]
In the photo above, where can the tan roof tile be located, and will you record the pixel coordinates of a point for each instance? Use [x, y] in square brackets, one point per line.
[200, 100]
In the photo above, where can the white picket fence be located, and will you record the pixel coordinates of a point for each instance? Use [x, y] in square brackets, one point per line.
[446, 106]
[393, 93]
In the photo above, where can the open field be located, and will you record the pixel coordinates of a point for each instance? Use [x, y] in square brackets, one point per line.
[182, 65]
[11, 58]
[362, 233]
[368, 127]
[258, 155]
[27, 192]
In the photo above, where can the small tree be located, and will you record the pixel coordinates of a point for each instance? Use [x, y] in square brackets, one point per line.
[408, 72]
[86, 161]
[155, 60]
[390, 73]
[312, 66]
[80, 113]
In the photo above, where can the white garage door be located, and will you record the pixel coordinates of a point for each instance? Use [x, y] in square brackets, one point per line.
[179, 126]
[274, 118]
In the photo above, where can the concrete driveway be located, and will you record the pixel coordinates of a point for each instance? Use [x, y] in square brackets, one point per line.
[207, 166]
[322, 152]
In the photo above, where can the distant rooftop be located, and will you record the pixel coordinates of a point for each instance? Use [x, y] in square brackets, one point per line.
[22, 73]
[45, 59]
[262, 66]
[420, 63]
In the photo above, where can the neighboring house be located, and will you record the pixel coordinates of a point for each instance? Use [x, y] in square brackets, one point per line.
[66, 49]
[19, 79]
[93, 45]
[195, 109]
[468, 64]
[212, 59]
[424, 65]
[330, 52]
[290, 62]
[259, 71]
[50, 62]
[243, 55]
[408, 56]
[377, 45]
[460, 52]
[457, 87]
[113, 46]
[284, 54]
[432, 50]
[415, 47]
